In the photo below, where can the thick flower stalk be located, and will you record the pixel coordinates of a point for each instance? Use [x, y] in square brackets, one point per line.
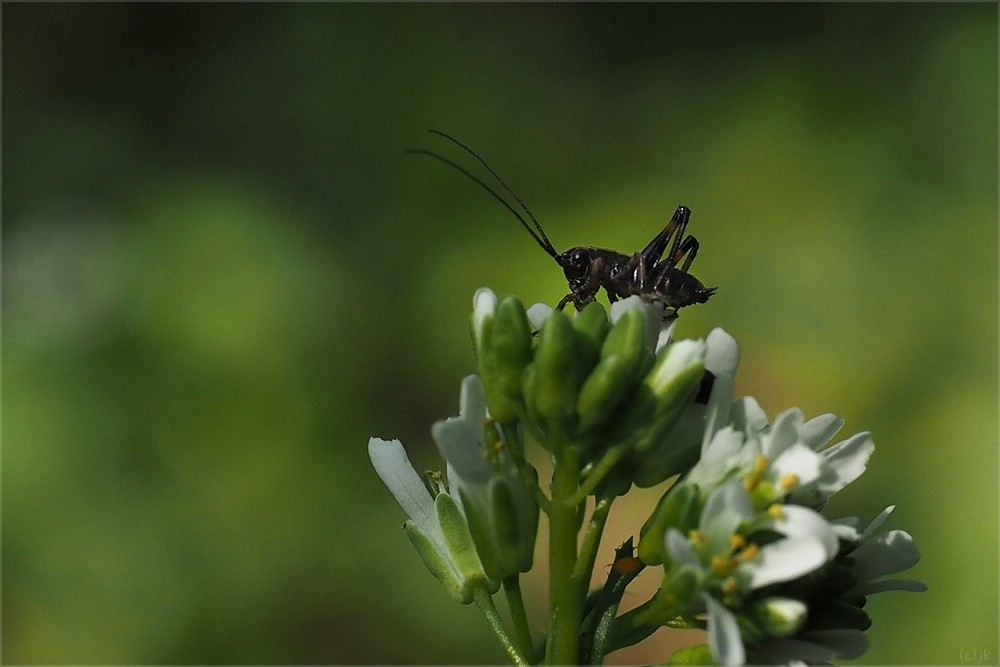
[615, 402]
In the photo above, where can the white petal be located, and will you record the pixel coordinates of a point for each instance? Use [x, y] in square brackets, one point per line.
[462, 445]
[748, 416]
[395, 469]
[680, 355]
[719, 407]
[725, 508]
[883, 585]
[785, 560]
[680, 549]
[666, 335]
[848, 459]
[888, 553]
[723, 355]
[472, 399]
[717, 458]
[653, 312]
[619, 308]
[877, 521]
[484, 301]
[484, 304]
[784, 432]
[846, 528]
[538, 314]
[798, 460]
[724, 634]
[802, 522]
[820, 430]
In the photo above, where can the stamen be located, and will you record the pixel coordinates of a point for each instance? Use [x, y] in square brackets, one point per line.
[760, 465]
[788, 480]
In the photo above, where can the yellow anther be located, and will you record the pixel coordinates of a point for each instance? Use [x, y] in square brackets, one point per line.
[788, 480]
[776, 511]
[750, 552]
[697, 537]
[729, 585]
[760, 465]
[720, 564]
[736, 541]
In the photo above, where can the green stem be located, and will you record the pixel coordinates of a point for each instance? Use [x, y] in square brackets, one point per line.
[591, 540]
[485, 603]
[522, 633]
[633, 626]
[597, 474]
[565, 599]
[615, 589]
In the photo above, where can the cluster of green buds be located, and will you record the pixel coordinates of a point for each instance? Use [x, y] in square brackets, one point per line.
[611, 388]
[614, 402]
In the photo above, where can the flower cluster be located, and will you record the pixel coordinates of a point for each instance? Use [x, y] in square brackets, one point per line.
[615, 402]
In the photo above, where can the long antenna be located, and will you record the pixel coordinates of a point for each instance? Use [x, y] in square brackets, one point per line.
[541, 238]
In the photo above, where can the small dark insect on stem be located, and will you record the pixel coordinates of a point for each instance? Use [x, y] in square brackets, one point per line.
[648, 273]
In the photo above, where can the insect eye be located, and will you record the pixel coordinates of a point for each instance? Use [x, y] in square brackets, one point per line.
[579, 262]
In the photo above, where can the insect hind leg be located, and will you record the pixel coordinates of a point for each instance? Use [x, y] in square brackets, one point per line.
[675, 229]
[690, 247]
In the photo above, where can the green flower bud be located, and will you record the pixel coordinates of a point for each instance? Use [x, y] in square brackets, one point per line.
[780, 616]
[679, 588]
[439, 565]
[663, 394]
[504, 352]
[552, 379]
[484, 305]
[503, 532]
[515, 526]
[616, 373]
[680, 508]
[699, 654]
[591, 325]
[679, 593]
[461, 548]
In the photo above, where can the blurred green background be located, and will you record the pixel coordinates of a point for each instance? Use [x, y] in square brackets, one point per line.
[221, 275]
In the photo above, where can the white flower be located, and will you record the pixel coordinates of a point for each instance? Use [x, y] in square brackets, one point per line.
[722, 547]
[498, 503]
[837, 630]
[730, 566]
[782, 462]
[437, 527]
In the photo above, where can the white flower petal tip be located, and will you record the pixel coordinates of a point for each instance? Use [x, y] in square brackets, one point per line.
[723, 355]
[394, 467]
[619, 308]
[724, 638]
[538, 314]
[484, 300]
